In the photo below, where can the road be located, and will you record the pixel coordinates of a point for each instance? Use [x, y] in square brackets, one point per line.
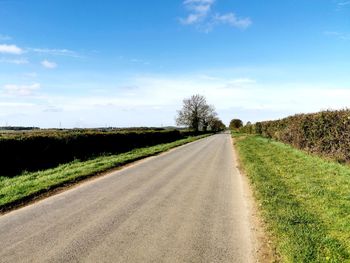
[186, 205]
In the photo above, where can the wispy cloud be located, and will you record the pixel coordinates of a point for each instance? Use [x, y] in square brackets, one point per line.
[10, 49]
[201, 15]
[339, 35]
[140, 61]
[55, 52]
[51, 108]
[343, 3]
[21, 90]
[232, 20]
[5, 37]
[31, 74]
[199, 11]
[48, 64]
[20, 61]
[159, 96]
[242, 81]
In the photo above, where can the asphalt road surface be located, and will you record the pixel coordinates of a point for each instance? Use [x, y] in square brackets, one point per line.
[186, 205]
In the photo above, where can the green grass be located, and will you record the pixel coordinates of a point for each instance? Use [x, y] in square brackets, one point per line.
[304, 199]
[19, 189]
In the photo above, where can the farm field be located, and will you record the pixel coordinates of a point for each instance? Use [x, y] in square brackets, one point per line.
[304, 199]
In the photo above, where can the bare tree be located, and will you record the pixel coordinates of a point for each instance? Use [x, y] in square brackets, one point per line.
[196, 113]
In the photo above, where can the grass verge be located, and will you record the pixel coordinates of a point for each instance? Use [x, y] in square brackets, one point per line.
[24, 188]
[304, 199]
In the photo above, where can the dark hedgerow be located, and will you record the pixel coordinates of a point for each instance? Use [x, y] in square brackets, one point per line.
[42, 150]
[326, 133]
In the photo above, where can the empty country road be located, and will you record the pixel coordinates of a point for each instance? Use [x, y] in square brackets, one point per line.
[186, 205]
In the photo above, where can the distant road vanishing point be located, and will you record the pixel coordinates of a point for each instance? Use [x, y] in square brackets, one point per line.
[186, 205]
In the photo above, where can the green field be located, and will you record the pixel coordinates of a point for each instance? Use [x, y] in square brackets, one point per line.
[23, 188]
[304, 199]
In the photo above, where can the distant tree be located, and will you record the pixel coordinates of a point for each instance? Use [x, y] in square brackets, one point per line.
[235, 124]
[248, 128]
[209, 119]
[18, 128]
[217, 125]
[196, 113]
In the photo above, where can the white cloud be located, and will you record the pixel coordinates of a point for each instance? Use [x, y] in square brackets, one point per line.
[152, 100]
[200, 15]
[232, 20]
[48, 64]
[248, 94]
[21, 90]
[199, 10]
[162, 91]
[191, 19]
[158, 98]
[10, 49]
[242, 81]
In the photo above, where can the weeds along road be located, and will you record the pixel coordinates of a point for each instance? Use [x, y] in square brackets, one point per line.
[186, 205]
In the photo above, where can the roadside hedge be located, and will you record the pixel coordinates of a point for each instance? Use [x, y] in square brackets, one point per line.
[42, 150]
[326, 133]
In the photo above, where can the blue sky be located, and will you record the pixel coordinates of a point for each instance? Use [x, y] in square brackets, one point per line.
[130, 63]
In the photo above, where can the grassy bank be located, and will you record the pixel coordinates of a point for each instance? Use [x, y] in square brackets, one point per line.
[304, 199]
[23, 188]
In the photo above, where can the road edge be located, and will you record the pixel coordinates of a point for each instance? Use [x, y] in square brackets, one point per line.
[263, 250]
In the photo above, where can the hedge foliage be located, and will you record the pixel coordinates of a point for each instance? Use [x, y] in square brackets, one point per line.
[34, 151]
[326, 133]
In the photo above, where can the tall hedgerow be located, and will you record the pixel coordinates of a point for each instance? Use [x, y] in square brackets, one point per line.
[34, 151]
[325, 133]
